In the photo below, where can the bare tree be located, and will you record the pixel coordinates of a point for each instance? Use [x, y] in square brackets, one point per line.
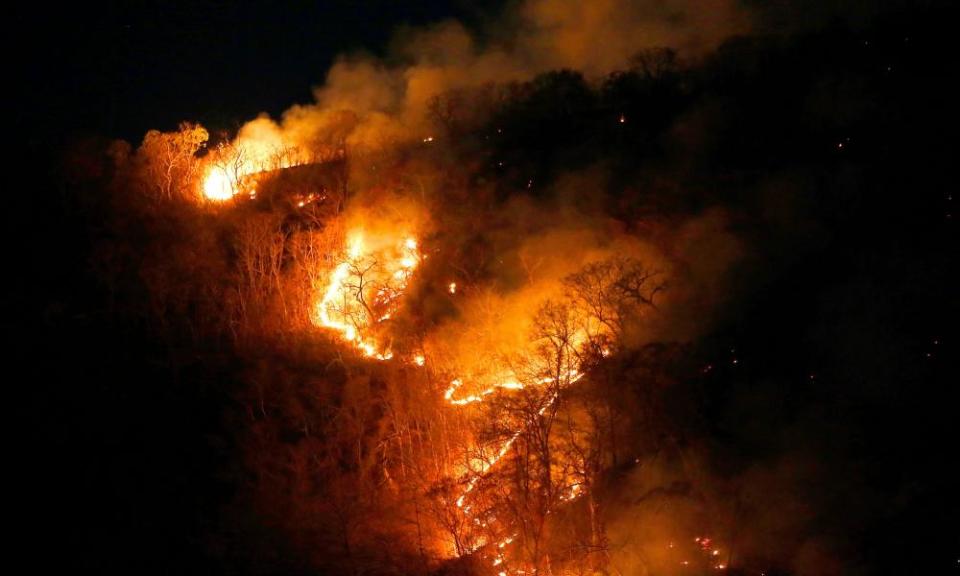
[260, 249]
[168, 161]
[613, 295]
[231, 160]
[654, 63]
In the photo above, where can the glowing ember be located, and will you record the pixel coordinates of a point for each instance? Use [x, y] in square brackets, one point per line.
[574, 492]
[452, 288]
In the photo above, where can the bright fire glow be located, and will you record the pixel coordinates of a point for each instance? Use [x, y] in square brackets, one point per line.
[217, 185]
[364, 289]
[509, 384]
[230, 165]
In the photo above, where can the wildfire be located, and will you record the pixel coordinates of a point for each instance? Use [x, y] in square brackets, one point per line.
[364, 290]
[229, 165]
[217, 185]
[485, 465]
[509, 384]
[448, 395]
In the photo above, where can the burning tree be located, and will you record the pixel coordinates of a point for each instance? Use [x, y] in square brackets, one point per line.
[364, 290]
[525, 467]
[614, 295]
[228, 164]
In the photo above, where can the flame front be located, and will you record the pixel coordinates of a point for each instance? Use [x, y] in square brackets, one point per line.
[364, 291]
[229, 165]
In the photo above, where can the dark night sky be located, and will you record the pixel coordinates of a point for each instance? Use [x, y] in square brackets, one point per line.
[119, 69]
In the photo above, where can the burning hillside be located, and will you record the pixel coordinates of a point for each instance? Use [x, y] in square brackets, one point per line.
[508, 352]
[589, 289]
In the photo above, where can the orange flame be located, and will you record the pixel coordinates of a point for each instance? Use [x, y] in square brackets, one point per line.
[217, 185]
[349, 307]
[344, 308]
[229, 165]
